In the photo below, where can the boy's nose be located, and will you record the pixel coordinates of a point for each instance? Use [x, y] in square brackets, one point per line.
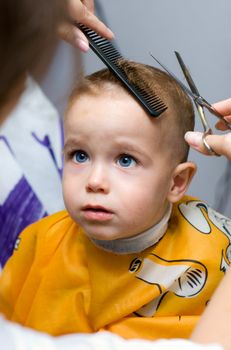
[97, 181]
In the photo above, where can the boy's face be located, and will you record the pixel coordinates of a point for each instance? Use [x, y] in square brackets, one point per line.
[116, 175]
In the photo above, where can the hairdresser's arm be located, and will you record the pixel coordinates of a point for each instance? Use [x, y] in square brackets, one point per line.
[82, 11]
[221, 144]
[214, 325]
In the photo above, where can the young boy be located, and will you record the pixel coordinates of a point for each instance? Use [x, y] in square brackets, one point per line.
[131, 254]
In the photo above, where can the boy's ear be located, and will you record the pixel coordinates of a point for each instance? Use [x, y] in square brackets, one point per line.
[181, 178]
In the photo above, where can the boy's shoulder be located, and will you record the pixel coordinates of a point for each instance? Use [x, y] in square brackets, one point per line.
[188, 199]
[202, 217]
[60, 218]
[54, 226]
[192, 204]
[197, 211]
[46, 235]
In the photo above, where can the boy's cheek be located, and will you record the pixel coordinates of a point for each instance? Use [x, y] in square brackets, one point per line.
[68, 189]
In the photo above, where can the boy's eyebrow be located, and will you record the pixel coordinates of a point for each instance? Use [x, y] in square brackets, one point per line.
[128, 146]
[70, 143]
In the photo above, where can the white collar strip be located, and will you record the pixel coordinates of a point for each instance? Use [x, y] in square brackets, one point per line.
[139, 242]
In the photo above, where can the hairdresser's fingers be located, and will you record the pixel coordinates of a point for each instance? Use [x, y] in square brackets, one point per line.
[73, 35]
[89, 5]
[82, 11]
[221, 144]
[224, 107]
[194, 139]
[221, 125]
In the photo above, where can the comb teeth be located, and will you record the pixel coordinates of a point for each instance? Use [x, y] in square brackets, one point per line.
[110, 56]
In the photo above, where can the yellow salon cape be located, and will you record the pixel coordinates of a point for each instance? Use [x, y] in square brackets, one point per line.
[59, 282]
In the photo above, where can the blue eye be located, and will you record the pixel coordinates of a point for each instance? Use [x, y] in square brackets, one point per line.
[126, 161]
[80, 157]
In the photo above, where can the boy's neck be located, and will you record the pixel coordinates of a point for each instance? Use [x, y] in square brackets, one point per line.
[139, 242]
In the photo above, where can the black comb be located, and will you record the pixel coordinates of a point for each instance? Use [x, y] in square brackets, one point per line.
[110, 56]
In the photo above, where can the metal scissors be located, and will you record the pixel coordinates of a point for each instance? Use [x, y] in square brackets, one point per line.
[200, 102]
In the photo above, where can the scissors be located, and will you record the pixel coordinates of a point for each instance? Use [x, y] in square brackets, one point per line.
[200, 102]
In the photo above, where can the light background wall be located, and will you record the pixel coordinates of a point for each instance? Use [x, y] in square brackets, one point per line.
[200, 31]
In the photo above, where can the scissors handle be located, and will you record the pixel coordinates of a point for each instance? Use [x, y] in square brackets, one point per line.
[205, 124]
[203, 103]
[209, 149]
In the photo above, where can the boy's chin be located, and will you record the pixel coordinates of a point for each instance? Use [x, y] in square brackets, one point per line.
[103, 235]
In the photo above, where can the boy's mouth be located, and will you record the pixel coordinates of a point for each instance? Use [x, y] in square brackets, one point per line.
[96, 213]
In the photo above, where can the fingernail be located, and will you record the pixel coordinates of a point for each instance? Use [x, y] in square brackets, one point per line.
[82, 45]
[194, 138]
[112, 35]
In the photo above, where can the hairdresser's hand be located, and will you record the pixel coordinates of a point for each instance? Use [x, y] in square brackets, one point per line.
[221, 144]
[82, 11]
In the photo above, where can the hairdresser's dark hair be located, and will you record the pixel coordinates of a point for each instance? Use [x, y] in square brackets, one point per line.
[177, 119]
[27, 29]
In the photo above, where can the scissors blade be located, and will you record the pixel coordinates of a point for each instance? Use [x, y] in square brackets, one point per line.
[184, 87]
[187, 75]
